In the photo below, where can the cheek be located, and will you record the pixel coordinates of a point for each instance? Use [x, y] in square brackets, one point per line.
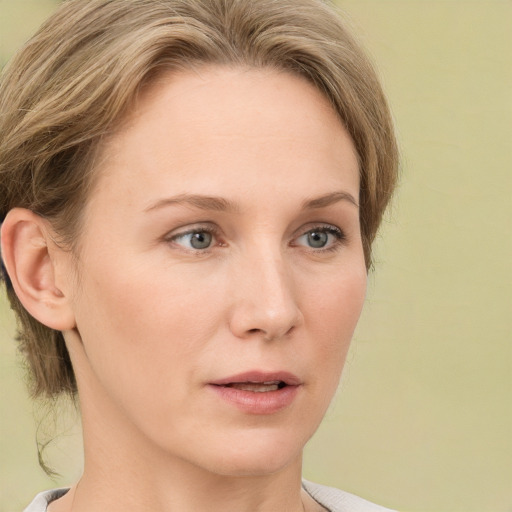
[139, 328]
[337, 304]
[333, 317]
[139, 297]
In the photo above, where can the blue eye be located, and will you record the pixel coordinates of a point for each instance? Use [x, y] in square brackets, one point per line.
[199, 239]
[322, 238]
[317, 239]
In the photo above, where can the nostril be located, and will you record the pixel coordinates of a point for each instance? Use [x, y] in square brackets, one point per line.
[269, 335]
[252, 320]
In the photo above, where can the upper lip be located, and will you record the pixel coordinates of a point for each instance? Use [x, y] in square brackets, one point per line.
[260, 377]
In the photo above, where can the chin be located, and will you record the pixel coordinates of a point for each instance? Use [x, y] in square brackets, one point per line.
[245, 466]
[255, 456]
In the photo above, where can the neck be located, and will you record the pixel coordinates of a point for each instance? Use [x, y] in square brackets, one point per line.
[132, 481]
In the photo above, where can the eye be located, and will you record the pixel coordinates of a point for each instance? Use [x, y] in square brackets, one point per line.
[321, 238]
[317, 239]
[197, 239]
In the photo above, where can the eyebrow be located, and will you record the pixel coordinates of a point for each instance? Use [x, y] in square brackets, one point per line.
[210, 203]
[328, 199]
[219, 204]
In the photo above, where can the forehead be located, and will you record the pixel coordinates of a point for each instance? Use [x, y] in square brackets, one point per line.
[221, 127]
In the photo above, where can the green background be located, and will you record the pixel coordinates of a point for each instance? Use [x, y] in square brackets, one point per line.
[423, 419]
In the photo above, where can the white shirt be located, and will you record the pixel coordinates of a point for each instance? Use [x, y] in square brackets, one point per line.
[331, 499]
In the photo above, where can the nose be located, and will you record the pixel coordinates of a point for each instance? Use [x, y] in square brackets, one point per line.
[265, 299]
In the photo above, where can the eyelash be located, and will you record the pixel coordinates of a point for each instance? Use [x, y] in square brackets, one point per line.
[337, 233]
[339, 238]
[212, 230]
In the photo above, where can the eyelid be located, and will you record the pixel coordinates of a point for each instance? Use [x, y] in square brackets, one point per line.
[338, 233]
[206, 227]
[193, 228]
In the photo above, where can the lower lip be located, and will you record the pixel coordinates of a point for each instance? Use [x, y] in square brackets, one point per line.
[268, 402]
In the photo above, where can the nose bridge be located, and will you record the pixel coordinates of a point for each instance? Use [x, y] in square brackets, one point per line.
[265, 300]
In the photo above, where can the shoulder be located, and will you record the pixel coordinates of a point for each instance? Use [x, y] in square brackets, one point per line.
[335, 500]
[43, 499]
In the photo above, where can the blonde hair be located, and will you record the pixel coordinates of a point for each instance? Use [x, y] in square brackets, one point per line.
[80, 74]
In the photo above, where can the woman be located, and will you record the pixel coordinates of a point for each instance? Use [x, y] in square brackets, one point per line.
[190, 191]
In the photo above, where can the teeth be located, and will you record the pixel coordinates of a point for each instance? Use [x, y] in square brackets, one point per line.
[256, 387]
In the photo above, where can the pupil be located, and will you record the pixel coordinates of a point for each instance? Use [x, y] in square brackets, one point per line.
[201, 240]
[317, 239]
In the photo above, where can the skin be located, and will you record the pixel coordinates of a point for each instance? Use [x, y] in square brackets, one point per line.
[150, 320]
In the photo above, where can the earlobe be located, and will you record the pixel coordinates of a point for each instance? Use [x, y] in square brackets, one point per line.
[30, 257]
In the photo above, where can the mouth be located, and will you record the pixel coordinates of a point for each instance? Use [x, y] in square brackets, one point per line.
[258, 392]
[257, 387]
[259, 381]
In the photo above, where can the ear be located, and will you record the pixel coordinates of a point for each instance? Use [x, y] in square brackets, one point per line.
[32, 259]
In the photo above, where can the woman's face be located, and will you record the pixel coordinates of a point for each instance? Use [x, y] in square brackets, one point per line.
[221, 270]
